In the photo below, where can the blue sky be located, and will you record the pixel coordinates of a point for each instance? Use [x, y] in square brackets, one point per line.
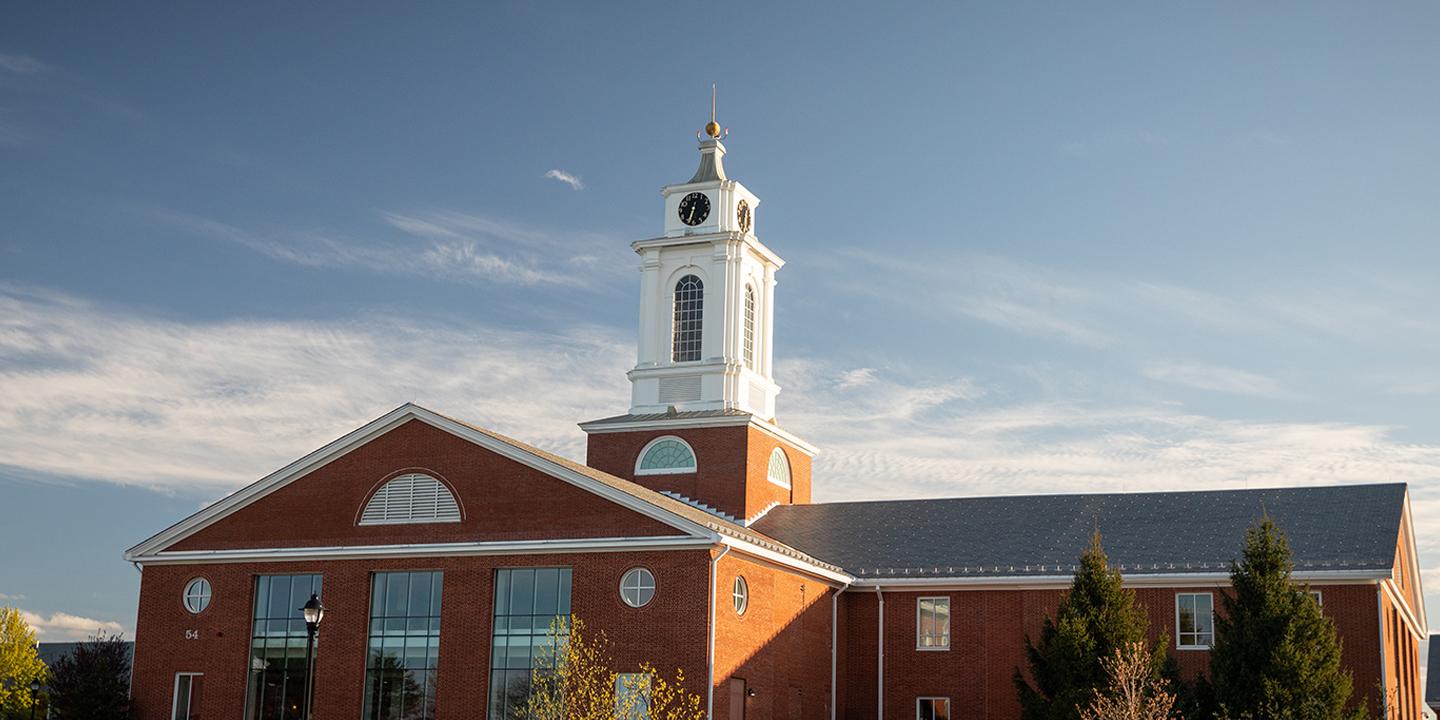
[1032, 248]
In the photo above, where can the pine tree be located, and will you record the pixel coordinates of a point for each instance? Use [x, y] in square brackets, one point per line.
[19, 664]
[1275, 655]
[1096, 619]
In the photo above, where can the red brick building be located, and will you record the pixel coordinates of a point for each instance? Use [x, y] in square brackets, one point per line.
[689, 536]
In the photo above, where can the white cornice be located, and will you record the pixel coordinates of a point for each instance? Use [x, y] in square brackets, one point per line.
[1060, 582]
[747, 239]
[459, 549]
[596, 427]
[785, 561]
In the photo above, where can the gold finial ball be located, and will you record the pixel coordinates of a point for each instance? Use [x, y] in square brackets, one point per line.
[712, 129]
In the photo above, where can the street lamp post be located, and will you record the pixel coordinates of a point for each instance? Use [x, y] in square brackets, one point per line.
[314, 612]
[34, 692]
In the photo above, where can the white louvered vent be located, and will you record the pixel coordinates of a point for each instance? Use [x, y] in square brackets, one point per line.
[411, 498]
[680, 388]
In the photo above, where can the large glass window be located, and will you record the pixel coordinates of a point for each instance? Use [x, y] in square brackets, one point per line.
[186, 702]
[528, 601]
[277, 647]
[932, 624]
[1194, 621]
[689, 308]
[404, 646]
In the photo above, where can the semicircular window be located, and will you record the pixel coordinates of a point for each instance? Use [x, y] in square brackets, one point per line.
[666, 455]
[411, 498]
[779, 470]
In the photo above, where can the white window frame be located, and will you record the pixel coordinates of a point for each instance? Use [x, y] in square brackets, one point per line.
[666, 471]
[189, 696]
[740, 594]
[789, 471]
[1319, 597]
[642, 572]
[933, 698]
[920, 636]
[1182, 646]
[203, 598]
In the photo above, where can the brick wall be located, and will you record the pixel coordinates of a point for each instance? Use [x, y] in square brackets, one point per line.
[987, 635]
[669, 632]
[731, 463]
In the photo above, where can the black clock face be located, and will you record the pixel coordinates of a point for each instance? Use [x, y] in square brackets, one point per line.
[694, 208]
[742, 216]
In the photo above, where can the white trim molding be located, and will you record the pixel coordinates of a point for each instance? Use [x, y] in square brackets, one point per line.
[459, 549]
[1182, 646]
[1060, 582]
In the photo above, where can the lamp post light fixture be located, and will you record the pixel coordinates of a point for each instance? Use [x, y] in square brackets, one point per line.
[314, 612]
[34, 692]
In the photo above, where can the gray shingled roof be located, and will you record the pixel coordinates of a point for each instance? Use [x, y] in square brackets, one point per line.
[1352, 527]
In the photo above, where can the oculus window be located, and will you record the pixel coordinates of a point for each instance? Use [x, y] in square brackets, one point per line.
[637, 587]
[197, 595]
[666, 455]
[404, 645]
[1194, 621]
[689, 308]
[740, 595]
[411, 498]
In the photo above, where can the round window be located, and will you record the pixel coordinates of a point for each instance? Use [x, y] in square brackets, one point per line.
[741, 595]
[637, 587]
[197, 595]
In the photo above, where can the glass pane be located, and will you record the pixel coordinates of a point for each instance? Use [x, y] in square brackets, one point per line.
[437, 581]
[522, 592]
[547, 589]
[280, 597]
[502, 592]
[397, 593]
[419, 594]
[564, 605]
[377, 595]
[299, 595]
[262, 596]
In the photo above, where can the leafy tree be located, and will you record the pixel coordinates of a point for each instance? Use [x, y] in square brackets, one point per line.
[1275, 654]
[574, 679]
[19, 664]
[93, 681]
[1096, 619]
[1133, 692]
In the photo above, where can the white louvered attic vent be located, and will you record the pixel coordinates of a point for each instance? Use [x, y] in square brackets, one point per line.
[411, 498]
[680, 388]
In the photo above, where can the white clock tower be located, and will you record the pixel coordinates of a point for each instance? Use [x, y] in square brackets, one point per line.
[707, 297]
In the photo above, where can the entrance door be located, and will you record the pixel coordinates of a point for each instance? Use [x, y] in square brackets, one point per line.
[737, 698]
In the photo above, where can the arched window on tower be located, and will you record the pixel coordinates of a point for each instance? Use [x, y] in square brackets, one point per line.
[750, 327]
[689, 305]
[664, 456]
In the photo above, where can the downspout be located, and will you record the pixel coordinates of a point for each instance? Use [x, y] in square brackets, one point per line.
[710, 692]
[880, 658]
[1380, 617]
[834, 643]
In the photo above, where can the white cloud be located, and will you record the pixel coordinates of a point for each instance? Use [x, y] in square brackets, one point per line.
[856, 378]
[448, 246]
[63, 627]
[1214, 378]
[11, 598]
[574, 182]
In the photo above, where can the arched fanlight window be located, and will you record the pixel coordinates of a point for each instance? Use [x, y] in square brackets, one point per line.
[666, 455]
[411, 498]
[750, 327]
[689, 306]
[779, 470]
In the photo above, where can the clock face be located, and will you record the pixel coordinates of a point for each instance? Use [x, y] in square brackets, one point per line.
[742, 215]
[694, 208]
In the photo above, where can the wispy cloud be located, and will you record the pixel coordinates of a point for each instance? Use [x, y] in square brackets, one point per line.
[449, 246]
[19, 64]
[63, 627]
[11, 598]
[1214, 378]
[574, 182]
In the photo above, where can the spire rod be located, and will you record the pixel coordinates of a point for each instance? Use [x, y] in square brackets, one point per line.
[712, 128]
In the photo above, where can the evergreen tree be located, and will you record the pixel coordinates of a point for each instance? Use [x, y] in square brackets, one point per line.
[1096, 619]
[93, 681]
[1275, 655]
[19, 664]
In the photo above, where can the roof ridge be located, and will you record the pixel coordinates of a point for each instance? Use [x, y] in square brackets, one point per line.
[1122, 493]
